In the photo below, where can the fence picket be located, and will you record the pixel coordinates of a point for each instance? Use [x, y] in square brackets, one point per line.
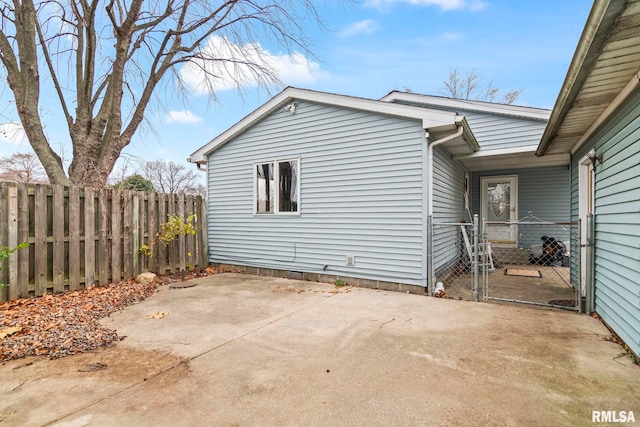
[116, 244]
[135, 232]
[152, 221]
[12, 239]
[128, 229]
[103, 237]
[4, 290]
[190, 239]
[89, 237]
[182, 247]
[58, 222]
[142, 226]
[23, 236]
[74, 238]
[160, 248]
[40, 240]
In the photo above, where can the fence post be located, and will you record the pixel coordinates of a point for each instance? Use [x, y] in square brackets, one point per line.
[476, 247]
[485, 272]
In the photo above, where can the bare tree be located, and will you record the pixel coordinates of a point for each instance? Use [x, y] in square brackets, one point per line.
[169, 177]
[22, 167]
[470, 86]
[107, 58]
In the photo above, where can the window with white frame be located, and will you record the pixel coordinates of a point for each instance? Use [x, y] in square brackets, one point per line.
[277, 187]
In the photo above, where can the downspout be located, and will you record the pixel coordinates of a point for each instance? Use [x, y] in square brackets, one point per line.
[430, 179]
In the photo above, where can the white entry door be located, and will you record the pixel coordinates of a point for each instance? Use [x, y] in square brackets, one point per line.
[499, 203]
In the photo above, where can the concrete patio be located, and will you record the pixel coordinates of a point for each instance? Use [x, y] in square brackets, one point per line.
[242, 350]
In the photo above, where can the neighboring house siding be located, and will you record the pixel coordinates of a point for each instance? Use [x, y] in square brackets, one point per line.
[448, 207]
[361, 194]
[617, 222]
[542, 192]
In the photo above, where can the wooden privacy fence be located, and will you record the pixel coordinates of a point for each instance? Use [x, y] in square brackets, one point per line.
[81, 236]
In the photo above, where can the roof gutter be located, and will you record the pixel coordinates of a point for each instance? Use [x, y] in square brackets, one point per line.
[633, 84]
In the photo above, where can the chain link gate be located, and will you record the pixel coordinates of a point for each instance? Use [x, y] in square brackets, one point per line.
[455, 262]
[536, 269]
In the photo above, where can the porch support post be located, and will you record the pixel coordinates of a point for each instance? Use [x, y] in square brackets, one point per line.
[476, 269]
[590, 268]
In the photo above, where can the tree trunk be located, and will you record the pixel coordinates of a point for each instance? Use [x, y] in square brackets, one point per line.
[93, 160]
[24, 80]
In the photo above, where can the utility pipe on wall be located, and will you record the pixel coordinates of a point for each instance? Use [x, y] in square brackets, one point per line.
[430, 179]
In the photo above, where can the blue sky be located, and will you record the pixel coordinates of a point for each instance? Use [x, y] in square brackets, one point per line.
[368, 49]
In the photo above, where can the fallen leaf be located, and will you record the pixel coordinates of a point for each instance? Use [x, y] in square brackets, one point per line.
[9, 331]
[158, 315]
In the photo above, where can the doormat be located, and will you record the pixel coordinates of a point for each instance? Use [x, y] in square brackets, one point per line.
[563, 302]
[522, 273]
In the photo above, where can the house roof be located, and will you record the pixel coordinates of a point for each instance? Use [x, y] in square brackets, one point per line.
[439, 123]
[492, 156]
[603, 71]
[469, 105]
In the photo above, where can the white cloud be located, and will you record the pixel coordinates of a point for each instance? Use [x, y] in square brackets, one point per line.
[184, 116]
[229, 69]
[450, 36]
[366, 26]
[471, 5]
[13, 133]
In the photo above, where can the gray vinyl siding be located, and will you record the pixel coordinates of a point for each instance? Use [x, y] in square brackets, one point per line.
[542, 193]
[497, 131]
[617, 221]
[361, 194]
[494, 131]
[448, 207]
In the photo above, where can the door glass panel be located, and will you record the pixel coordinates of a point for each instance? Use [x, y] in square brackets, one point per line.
[499, 201]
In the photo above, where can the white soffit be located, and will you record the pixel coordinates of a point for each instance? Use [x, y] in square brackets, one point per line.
[606, 60]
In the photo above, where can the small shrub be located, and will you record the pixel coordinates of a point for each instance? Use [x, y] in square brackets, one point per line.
[340, 283]
[175, 226]
[6, 251]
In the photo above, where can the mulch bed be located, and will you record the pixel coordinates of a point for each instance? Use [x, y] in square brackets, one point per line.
[60, 325]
